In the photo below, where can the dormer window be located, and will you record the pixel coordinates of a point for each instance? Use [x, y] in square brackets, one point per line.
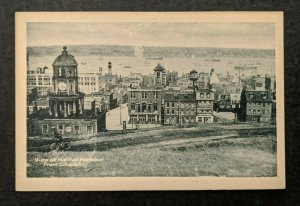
[264, 96]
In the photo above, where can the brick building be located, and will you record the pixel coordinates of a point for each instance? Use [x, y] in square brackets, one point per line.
[179, 109]
[205, 102]
[256, 106]
[144, 105]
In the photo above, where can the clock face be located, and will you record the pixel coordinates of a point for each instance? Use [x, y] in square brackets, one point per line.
[62, 86]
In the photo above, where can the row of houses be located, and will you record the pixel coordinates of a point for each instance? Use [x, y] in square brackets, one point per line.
[157, 106]
[169, 108]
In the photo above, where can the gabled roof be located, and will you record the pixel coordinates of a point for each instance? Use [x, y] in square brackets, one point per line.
[214, 79]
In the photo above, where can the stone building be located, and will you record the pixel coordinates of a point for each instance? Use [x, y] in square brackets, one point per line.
[66, 112]
[172, 77]
[41, 80]
[160, 76]
[205, 102]
[89, 83]
[179, 108]
[256, 106]
[144, 105]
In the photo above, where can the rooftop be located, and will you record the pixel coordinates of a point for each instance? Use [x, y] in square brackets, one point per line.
[44, 114]
[258, 96]
[64, 59]
[175, 97]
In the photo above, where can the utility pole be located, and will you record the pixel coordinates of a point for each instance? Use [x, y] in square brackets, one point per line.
[120, 108]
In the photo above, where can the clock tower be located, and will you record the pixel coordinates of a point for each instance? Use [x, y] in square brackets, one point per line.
[65, 100]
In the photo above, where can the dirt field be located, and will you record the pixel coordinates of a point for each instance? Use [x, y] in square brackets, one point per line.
[207, 151]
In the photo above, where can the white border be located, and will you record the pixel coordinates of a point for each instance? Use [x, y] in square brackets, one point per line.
[143, 183]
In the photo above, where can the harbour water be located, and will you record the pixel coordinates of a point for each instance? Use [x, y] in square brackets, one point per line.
[130, 61]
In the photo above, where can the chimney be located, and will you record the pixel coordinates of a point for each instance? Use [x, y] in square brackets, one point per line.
[109, 68]
[93, 108]
[100, 71]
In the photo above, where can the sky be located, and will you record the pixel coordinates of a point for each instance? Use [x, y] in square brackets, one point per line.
[191, 34]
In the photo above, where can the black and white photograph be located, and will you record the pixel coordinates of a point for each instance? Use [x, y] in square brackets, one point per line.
[142, 96]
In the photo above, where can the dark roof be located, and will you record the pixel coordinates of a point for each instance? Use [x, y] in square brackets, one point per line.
[65, 59]
[174, 97]
[258, 96]
[159, 67]
[44, 114]
[42, 102]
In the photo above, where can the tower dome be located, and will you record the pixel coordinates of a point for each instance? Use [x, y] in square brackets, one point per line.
[64, 59]
[159, 67]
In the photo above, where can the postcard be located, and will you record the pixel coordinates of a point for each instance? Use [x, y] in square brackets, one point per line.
[114, 101]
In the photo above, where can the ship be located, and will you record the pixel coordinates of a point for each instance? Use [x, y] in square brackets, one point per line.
[154, 58]
[127, 66]
[212, 60]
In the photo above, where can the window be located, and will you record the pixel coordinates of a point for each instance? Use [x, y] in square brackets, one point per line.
[168, 104]
[76, 129]
[172, 111]
[167, 111]
[44, 129]
[149, 108]
[173, 104]
[61, 72]
[144, 107]
[155, 107]
[132, 95]
[144, 95]
[60, 129]
[155, 94]
[133, 106]
[89, 129]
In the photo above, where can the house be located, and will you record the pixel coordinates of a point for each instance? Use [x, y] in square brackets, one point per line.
[256, 106]
[205, 102]
[179, 108]
[144, 105]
